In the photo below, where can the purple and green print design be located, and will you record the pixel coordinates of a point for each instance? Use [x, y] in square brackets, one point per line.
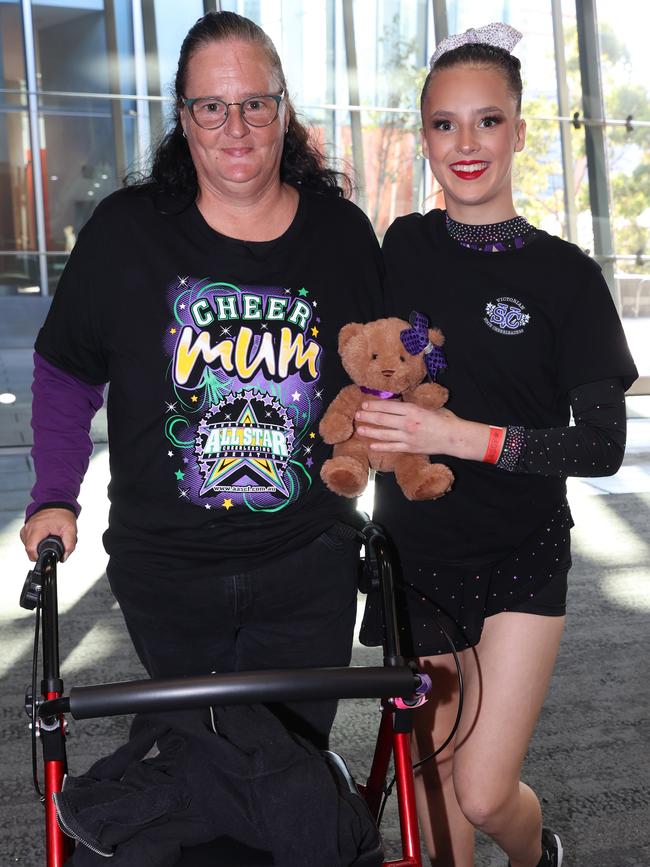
[244, 370]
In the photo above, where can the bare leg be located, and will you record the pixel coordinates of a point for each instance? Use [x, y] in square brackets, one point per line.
[506, 681]
[448, 836]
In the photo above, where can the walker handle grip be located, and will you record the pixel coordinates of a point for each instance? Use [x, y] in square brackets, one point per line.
[51, 545]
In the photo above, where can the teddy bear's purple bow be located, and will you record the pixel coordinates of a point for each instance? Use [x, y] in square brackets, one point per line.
[416, 339]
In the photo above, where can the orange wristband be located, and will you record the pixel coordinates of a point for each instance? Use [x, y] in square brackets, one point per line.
[495, 444]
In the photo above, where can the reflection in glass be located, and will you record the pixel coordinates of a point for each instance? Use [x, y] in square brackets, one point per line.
[625, 70]
[17, 224]
[19, 275]
[85, 162]
[12, 61]
[80, 169]
[85, 46]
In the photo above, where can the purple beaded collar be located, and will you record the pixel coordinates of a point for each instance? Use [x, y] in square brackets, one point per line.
[511, 234]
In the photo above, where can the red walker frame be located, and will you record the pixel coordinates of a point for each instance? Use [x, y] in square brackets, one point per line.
[400, 686]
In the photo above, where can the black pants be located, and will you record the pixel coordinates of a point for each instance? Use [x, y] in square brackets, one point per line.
[295, 612]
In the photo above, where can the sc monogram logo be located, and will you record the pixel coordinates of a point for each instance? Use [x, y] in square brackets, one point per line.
[506, 316]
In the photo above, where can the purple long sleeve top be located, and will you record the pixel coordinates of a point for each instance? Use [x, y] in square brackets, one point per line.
[63, 408]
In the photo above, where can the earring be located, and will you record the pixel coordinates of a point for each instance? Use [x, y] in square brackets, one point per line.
[286, 130]
[184, 134]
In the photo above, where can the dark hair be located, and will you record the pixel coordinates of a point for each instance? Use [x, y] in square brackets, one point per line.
[302, 163]
[482, 55]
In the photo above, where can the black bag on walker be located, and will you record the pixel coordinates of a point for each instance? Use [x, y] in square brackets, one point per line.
[229, 772]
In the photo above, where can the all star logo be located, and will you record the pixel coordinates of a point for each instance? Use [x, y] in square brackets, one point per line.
[506, 316]
[244, 443]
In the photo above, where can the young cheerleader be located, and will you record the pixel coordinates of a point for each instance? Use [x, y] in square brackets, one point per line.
[531, 334]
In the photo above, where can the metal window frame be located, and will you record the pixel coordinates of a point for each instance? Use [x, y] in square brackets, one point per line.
[597, 167]
[35, 136]
[570, 210]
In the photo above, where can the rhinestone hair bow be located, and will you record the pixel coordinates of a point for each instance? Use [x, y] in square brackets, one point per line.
[498, 35]
[416, 339]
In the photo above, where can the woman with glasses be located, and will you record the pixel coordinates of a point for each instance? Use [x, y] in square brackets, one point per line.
[210, 296]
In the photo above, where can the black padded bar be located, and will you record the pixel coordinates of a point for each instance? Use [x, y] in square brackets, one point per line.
[248, 687]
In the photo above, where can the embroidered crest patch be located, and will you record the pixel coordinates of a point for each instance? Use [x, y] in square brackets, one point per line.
[506, 316]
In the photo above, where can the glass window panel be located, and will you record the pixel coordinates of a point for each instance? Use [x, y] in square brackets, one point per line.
[87, 154]
[625, 70]
[392, 43]
[17, 226]
[19, 275]
[85, 46]
[393, 174]
[12, 59]
[55, 265]
[535, 50]
[165, 24]
[538, 182]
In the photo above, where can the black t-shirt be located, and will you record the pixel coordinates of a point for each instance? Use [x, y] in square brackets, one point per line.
[522, 328]
[221, 357]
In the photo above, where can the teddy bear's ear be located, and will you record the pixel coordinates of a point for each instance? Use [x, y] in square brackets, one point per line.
[436, 336]
[348, 332]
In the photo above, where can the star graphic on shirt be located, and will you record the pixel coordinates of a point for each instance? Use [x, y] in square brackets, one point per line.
[259, 465]
[312, 435]
[303, 292]
[295, 396]
[181, 307]
[319, 394]
[208, 506]
[180, 475]
[225, 329]
[287, 291]
[264, 326]
[309, 462]
[227, 504]
[315, 303]
[182, 281]
[307, 450]
[172, 331]
[194, 398]
[170, 454]
[314, 331]
[182, 492]
[171, 407]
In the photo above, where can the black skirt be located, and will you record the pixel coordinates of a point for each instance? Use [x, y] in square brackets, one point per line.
[441, 604]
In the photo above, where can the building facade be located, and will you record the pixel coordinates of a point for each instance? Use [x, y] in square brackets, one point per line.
[84, 95]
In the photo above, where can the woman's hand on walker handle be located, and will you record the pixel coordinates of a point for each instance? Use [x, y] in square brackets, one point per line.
[405, 427]
[50, 522]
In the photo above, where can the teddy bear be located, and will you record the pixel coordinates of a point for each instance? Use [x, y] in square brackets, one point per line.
[387, 359]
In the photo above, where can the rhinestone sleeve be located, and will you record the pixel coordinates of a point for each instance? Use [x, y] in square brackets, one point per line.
[594, 446]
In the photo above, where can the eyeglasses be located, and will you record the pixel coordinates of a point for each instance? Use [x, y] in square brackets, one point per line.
[208, 112]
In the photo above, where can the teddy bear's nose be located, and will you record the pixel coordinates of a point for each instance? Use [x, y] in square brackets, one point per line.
[388, 372]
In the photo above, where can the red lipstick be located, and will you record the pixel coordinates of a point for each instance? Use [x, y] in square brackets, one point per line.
[469, 170]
